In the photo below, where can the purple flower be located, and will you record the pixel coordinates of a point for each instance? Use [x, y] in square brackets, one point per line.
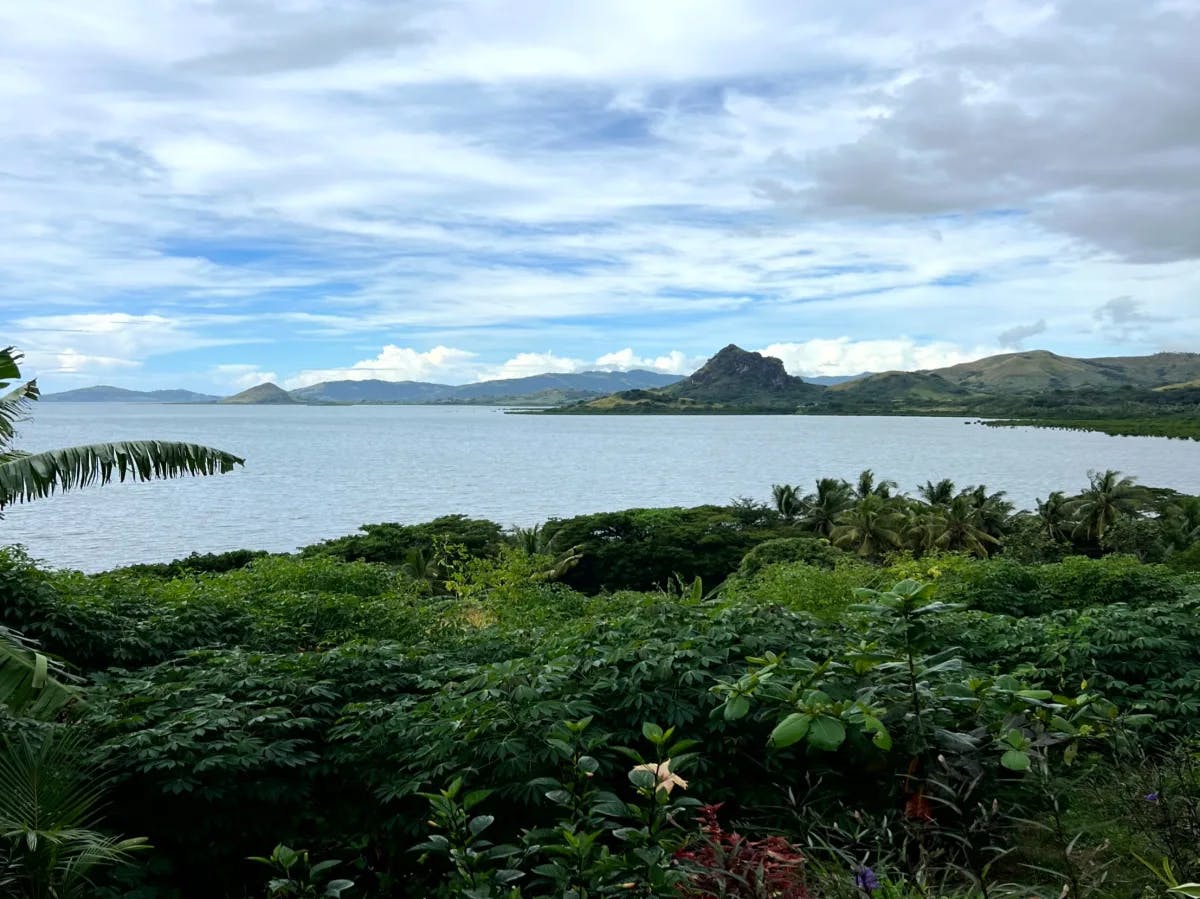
[865, 879]
[1151, 797]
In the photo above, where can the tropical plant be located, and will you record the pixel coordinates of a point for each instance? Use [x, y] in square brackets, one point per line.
[938, 494]
[27, 476]
[1108, 497]
[30, 684]
[962, 527]
[868, 486]
[49, 810]
[1054, 516]
[788, 501]
[821, 509]
[870, 528]
[295, 877]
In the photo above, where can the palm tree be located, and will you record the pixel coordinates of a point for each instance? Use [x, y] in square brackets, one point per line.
[1108, 497]
[962, 525]
[995, 511]
[869, 528]
[1181, 522]
[28, 476]
[938, 494]
[821, 509]
[787, 499]
[49, 803]
[867, 487]
[923, 525]
[1054, 514]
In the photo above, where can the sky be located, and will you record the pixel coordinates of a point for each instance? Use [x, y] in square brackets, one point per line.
[214, 193]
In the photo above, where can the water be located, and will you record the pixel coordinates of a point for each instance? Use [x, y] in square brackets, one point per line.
[314, 472]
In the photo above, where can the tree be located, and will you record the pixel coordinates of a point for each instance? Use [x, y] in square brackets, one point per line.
[868, 487]
[821, 509]
[1054, 515]
[939, 494]
[962, 527]
[28, 476]
[869, 528]
[1108, 497]
[788, 502]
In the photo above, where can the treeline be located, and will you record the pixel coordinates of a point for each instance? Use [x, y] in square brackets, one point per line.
[758, 699]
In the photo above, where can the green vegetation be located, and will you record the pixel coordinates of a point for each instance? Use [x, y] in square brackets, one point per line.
[1138, 395]
[1184, 425]
[851, 690]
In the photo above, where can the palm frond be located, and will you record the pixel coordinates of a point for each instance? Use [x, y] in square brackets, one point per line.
[41, 474]
[30, 684]
[13, 407]
[9, 369]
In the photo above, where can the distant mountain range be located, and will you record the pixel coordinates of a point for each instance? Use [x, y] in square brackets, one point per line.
[105, 394]
[738, 381]
[546, 389]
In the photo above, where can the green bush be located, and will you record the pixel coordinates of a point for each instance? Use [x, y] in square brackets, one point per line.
[393, 543]
[824, 592]
[643, 549]
[1006, 587]
[810, 550]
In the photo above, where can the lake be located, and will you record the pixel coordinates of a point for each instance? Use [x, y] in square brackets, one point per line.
[314, 472]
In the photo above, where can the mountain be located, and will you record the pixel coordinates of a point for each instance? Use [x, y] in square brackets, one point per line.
[1010, 375]
[505, 390]
[831, 380]
[105, 394]
[600, 382]
[733, 380]
[1038, 370]
[371, 391]
[892, 387]
[262, 395]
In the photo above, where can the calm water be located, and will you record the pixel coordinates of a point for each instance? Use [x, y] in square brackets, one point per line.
[314, 472]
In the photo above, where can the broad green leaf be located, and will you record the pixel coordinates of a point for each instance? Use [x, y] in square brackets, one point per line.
[736, 708]
[826, 733]
[1015, 760]
[790, 730]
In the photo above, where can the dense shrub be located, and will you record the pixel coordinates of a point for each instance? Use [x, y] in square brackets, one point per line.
[394, 543]
[810, 550]
[1010, 588]
[197, 563]
[640, 549]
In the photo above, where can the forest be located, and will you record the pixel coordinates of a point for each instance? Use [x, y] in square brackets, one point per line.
[848, 690]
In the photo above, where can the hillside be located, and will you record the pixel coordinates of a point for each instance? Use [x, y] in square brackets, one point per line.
[1038, 370]
[733, 380]
[371, 391]
[106, 394]
[888, 389]
[533, 388]
[263, 395]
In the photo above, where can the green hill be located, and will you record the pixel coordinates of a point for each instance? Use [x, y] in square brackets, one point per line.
[263, 395]
[1038, 370]
[106, 394]
[733, 380]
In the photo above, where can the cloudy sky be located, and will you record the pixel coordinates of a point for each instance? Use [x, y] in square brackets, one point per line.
[212, 193]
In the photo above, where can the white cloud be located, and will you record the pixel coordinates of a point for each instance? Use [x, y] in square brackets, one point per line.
[505, 177]
[524, 364]
[673, 363]
[846, 356]
[241, 376]
[394, 363]
[72, 362]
